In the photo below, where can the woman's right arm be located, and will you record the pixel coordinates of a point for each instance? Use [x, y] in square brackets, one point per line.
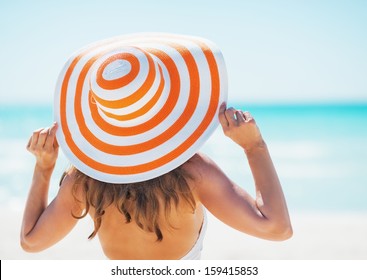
[45, 224]
[266, 216]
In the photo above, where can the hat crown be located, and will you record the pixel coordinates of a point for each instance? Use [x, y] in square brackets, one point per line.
[124, 82]
[116, 69]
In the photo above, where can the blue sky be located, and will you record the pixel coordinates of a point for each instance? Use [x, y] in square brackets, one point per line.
[275, 51]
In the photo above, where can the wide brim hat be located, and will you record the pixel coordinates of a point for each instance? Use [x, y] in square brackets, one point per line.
[134, 107]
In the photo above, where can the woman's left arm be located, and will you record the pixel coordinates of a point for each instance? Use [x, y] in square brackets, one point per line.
[43, 225]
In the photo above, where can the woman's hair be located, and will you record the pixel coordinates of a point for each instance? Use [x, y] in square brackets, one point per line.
[143, 202]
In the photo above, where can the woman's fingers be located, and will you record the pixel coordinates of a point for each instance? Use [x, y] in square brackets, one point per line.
[231, 116]
[29, 143]
[222, 116]
[56, 144]
[43, 145]
[240, 116]
[50, 138]
[248, 116]
[33, 140]
[43, 138]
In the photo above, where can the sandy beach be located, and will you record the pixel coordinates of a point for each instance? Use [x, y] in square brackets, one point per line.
[316, 237]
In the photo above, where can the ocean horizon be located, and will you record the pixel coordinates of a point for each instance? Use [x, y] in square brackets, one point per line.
[319, 150]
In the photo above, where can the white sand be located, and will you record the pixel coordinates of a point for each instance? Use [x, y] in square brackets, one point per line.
[316, 236]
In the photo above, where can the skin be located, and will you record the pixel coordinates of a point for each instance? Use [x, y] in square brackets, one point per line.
[265, 216]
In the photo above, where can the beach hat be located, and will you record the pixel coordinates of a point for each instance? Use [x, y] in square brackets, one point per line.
[134, 107]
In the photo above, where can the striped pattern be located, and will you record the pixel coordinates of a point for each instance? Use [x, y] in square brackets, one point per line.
[134, 107]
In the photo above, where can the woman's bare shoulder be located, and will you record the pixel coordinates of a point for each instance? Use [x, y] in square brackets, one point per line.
[200, 160]
[68, 185]
[199, 165]
[205, 172]
[69, 178]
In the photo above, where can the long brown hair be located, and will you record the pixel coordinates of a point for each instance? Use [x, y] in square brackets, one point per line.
[142, 202]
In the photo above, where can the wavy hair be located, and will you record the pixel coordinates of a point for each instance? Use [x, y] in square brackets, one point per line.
[142, 202]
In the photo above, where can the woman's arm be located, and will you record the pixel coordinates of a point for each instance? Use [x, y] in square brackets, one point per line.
[267, 215]
[44, 225]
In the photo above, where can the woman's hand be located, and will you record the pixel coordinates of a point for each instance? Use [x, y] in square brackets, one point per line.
[44, 146]
[240, 127]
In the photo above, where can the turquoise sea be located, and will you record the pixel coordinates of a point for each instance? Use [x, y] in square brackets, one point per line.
[320, 152]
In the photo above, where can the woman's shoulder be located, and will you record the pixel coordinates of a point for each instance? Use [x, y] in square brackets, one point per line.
[199, 160]
[204, 171]
[201, 163]
[69, 184]
[69, 177]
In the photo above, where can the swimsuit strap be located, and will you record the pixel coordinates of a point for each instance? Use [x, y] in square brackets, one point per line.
[195, 252]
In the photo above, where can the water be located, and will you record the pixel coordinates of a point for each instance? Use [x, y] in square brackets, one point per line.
[320, 152]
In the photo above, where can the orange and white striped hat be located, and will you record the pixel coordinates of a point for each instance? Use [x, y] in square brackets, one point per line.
[134, 107]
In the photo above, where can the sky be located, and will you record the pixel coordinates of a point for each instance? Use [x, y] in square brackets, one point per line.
[275, 51]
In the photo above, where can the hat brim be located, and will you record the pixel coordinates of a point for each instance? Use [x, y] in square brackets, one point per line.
[121, 123]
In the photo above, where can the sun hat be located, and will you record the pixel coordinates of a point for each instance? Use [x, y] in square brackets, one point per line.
[134, 107]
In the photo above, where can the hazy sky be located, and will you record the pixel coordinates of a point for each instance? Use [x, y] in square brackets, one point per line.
[283, 51]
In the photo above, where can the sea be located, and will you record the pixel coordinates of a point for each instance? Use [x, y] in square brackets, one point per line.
[319, 151]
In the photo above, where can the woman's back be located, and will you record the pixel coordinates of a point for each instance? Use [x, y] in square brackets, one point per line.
[125, 225]
[121, 240]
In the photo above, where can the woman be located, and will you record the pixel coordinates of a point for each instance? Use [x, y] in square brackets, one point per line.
[144, 206]
[265, 217]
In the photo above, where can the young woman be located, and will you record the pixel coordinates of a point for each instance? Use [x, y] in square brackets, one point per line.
[168, 221]
[131, 114]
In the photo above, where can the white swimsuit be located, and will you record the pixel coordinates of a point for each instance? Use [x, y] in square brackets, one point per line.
[195, 252]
